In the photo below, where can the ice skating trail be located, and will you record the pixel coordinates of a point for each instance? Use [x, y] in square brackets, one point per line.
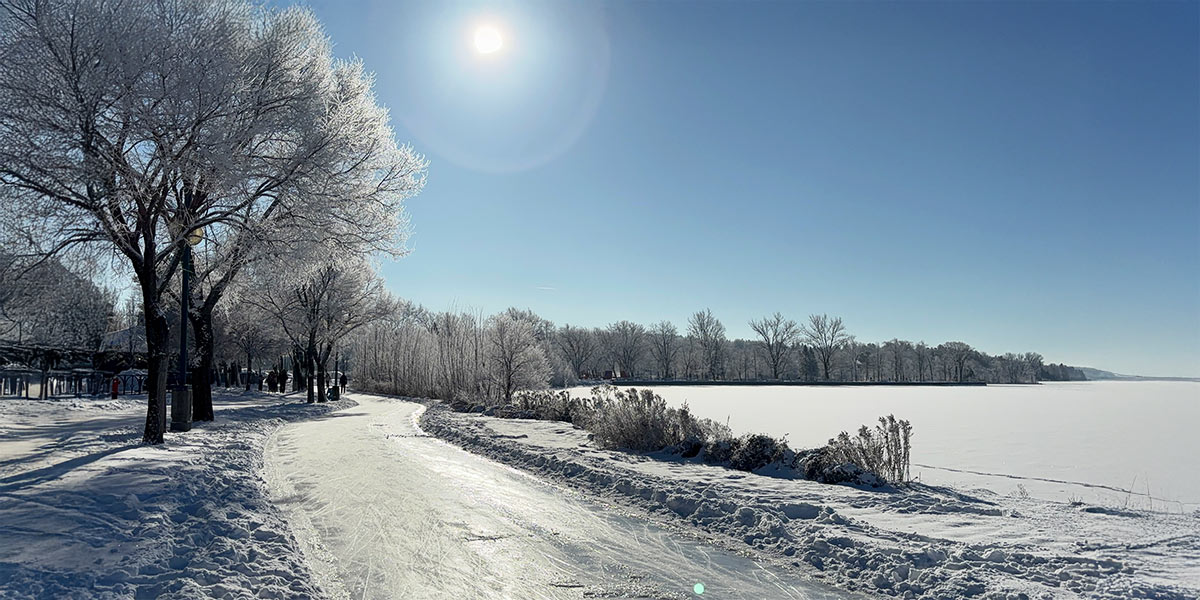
[383, 510]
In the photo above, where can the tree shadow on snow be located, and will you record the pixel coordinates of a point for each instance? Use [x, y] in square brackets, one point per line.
[16, 482]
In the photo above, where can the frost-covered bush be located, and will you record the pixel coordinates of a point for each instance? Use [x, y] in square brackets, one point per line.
[629, 419]
[546, 405]
[883, 450]
[820, 465]
[719, 451]
[632, 420]
[754, 451]
[642, 421]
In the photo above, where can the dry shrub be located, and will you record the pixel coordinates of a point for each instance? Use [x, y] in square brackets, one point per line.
[883, 450]
[640, 420]
[629, 419]
[755, 450]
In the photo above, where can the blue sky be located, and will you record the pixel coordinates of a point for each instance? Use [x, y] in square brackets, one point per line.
[1018, 175]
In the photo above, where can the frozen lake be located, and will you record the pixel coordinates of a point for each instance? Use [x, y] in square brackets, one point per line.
[1113, 443]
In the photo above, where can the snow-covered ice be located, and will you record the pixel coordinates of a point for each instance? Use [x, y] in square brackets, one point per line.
[87, 511]
[1113, 443]
[919, 542]
[385, 511]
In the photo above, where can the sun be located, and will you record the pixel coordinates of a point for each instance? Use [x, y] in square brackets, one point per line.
[488, 40]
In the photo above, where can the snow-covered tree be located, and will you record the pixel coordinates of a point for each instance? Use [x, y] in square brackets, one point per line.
[664, 346]
[898, 352]
[826, 336]
[625, 343]
[778, 335]
[136, 124]
[576, 345]
[710, 334]
[251, 331]
[515, 359]
[51, 311]
[340, 295]
[48, 305]
[1033, 365]
[956, 355]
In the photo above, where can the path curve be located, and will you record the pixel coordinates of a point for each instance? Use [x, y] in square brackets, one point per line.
[383, 510]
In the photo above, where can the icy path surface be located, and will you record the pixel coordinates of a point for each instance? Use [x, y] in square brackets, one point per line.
[384, 511]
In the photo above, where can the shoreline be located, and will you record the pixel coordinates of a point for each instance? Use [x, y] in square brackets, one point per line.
[622, 383]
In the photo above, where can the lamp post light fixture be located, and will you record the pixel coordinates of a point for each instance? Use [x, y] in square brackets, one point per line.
[181, 394]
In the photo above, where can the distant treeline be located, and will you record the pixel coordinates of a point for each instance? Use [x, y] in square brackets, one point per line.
[472, 356]
[1061, 372]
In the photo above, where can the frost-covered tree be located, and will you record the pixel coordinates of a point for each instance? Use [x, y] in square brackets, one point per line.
[576, 345]
[710, 334]
[778, 335]
[49, 305]
[826, 336]
[51, 310]
[923, 355]
[956, 355]
[1011, 367]
[461, 354]
[337, 297]
[743, 355]
[809, 367]
[625, 342]
[664, 346]
[252, 331]
[409, 351]
[898, 351]
[853, 356]
[516, 360]
[1033, 365]
[136, 124]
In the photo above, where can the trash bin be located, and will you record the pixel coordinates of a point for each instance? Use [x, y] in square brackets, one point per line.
[181, 408]
[333, 394]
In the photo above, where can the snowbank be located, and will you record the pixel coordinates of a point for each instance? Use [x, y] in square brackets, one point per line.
[916, 542]
[87, 511]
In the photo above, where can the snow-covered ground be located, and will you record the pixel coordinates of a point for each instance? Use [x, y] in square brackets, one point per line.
[1113, 443]
[385, 511]
[87, 511]
[919, 542]
[363, 503]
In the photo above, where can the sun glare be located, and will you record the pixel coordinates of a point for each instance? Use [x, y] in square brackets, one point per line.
[487, 40]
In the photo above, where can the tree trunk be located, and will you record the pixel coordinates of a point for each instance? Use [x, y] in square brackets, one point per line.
[322, 375]
[297, 370]
[202, 376]
[321, 395]
[310, 359]
[158, 337]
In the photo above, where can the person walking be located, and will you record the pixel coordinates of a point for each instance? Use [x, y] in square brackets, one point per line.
[343, 383]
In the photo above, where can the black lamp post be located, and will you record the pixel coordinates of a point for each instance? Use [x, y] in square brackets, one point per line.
[181, 395]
